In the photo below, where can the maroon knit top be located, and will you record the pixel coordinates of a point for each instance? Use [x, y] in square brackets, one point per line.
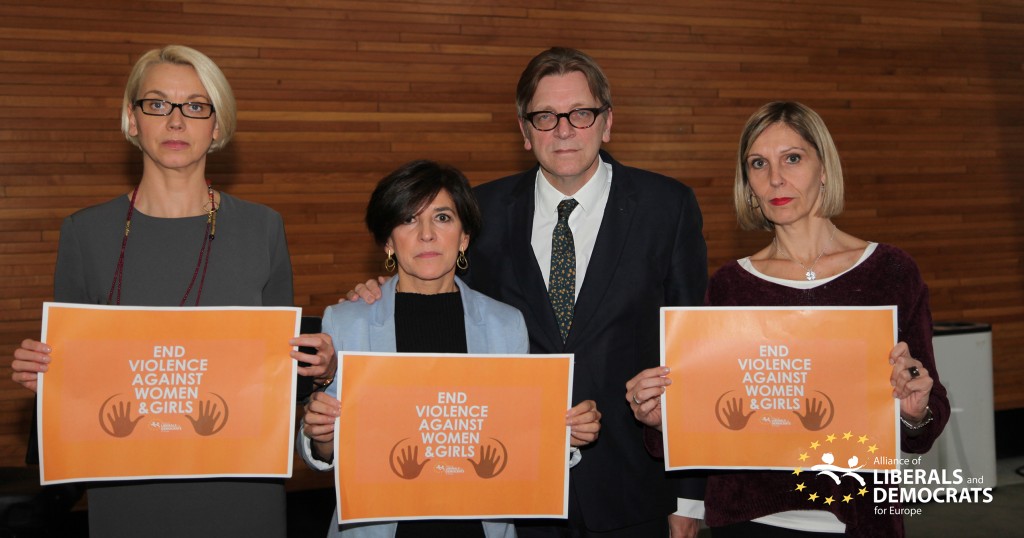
[888, 276]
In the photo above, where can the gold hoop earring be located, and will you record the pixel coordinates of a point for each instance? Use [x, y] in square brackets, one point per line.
[461, 262]
[750, 201]
[389, 263]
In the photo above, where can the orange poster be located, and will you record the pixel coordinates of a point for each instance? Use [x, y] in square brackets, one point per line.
[137, 393]
[452, 436]
[780, 388]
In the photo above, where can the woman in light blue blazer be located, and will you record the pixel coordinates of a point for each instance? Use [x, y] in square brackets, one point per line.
[424, 215]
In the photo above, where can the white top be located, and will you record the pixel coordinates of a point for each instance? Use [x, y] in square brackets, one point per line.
[584, 221]
[804, 284]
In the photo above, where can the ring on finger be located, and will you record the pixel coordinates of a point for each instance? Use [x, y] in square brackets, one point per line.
[914, 372]
[635, 400]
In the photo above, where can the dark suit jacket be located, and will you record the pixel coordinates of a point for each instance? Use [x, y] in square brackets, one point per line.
[650, 253]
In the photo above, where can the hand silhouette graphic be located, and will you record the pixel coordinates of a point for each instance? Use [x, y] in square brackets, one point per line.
[814, 419]
[408, 467]
[734, 416]
[119, 418]
[489, 460]
[209, 415]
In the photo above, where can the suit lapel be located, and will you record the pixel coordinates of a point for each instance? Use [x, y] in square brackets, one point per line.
[476, 329]
[523, 260]
[382, 320]
[611, 239]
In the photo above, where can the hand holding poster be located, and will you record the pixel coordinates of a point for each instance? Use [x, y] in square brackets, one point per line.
[141, 393]
[452, 436]
[779, 388]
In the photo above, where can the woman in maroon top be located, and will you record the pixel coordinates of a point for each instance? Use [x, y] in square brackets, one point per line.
[789, 182]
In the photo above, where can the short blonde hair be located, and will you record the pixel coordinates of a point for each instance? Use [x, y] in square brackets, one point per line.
[809, 125]
[212, 78]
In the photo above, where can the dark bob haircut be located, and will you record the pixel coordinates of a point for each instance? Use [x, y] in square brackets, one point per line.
[403, 193]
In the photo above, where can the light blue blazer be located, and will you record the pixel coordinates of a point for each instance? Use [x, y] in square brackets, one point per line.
[491, 327]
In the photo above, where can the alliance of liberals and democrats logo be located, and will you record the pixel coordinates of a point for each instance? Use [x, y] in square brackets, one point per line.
[823, 480]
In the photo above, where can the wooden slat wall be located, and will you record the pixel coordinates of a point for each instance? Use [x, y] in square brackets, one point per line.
[923, 99]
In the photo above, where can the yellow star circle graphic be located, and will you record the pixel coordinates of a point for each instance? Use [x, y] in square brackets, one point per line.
[858, 452]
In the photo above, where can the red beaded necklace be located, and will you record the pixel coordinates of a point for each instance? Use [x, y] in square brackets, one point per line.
[204, 251]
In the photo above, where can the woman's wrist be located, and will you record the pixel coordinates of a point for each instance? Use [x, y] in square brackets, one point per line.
[918, 424]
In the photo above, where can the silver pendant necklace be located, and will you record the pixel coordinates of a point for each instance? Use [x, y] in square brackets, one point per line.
[809, 274]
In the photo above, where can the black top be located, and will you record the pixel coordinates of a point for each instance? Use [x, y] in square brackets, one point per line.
[429, 323]
[432, 324]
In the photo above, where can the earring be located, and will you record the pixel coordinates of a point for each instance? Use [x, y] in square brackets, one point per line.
[750, 201]
[390, 263]
[461, 262]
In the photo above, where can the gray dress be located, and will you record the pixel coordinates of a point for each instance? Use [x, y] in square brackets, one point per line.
[249, 266]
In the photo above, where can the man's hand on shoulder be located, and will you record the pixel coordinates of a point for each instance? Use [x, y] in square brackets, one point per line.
[368, 291]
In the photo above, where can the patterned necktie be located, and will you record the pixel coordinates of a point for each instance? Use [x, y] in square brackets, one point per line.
[562, 282]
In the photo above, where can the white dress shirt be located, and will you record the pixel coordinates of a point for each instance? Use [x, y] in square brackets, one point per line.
[584, 221]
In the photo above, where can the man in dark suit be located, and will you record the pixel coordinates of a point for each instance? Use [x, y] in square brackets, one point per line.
[634, 245]
[589, 250]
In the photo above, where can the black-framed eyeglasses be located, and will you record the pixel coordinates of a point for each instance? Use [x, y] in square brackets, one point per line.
[580, 118]
[159, 107]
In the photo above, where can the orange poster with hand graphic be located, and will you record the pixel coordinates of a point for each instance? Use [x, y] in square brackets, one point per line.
[137, 393]
[452, 436]
[780, 388]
